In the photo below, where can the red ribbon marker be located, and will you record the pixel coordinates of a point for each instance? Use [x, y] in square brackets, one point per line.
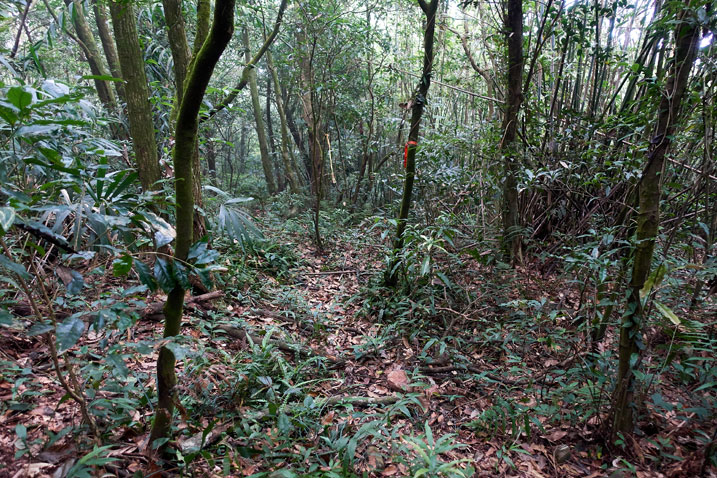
[405, 152]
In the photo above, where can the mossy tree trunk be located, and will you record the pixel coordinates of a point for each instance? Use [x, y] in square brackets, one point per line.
[92, 53]
[196, 83]
[511, 240]
[687, 36]
[419, 102]
[258, 120]
[182, 58]
[139, 110]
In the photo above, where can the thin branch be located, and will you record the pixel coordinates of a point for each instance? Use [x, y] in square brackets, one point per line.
[23, 17]
[467, 92]
[248, 67]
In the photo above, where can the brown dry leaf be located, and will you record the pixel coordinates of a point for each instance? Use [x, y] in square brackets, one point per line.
[64, 273]
[328, 419]
[556, 435]
[390, 470]
[397, 380]
[33, 470]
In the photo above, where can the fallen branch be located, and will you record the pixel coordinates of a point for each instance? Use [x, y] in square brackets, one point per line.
[361, 401]
[154, 311]
[327, 273]
[507, 381]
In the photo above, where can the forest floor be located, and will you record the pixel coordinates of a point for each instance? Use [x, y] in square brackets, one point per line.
[352, 379]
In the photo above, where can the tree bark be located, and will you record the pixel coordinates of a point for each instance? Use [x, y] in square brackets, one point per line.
[511, 240]
[280, 178]
[183, 58]
[289, 166]
[419, 102]
[139, 110]
[687, 37]
[258, 120]
[109, 47]
[92, 53]
[186, 136]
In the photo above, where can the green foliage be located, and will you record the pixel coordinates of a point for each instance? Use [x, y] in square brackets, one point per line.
[430, 463]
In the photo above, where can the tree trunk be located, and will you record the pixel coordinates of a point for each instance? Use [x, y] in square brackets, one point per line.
[182, 59]
[289, 165]
[511, 240]
[419, 101]
[176, 32]
[139, 110]
[243, 149]
[280, 178]
[649, 190]
[299, 142]
[259, 121]
[186, 137]
[109, 47]
[92, 53]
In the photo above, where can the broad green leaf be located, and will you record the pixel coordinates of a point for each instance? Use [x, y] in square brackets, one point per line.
[76, 284]
[6, 318]
[122, 265]
[69, 332]
[7, 217]
[39, 329]
[426, 265]
[118, 363]
[180, 276]
[668, 313]
[13, 266]
[37, 129]
[8, 115]
[163, 232]
[200, 254]
[164, 273]
[19, 98]
[145, 275]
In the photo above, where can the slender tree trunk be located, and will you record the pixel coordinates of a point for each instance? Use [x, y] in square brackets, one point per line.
[139, 110]
[176, 32]
[259, 121]
[108, 45]
[281, 178]
[686, 41]
[186, 136]
[92, 53]
[299, 142]
[23, 17]
[289, 165]
[508, 145]
[182, 58]
[243, 148]
[419, 102]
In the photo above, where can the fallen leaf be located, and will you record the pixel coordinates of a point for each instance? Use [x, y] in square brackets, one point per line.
[397, 380]
[390, 470]
[556, 435]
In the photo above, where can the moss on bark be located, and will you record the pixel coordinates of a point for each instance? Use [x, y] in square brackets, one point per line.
[686, 41]
[419, 101]
[185, 138]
